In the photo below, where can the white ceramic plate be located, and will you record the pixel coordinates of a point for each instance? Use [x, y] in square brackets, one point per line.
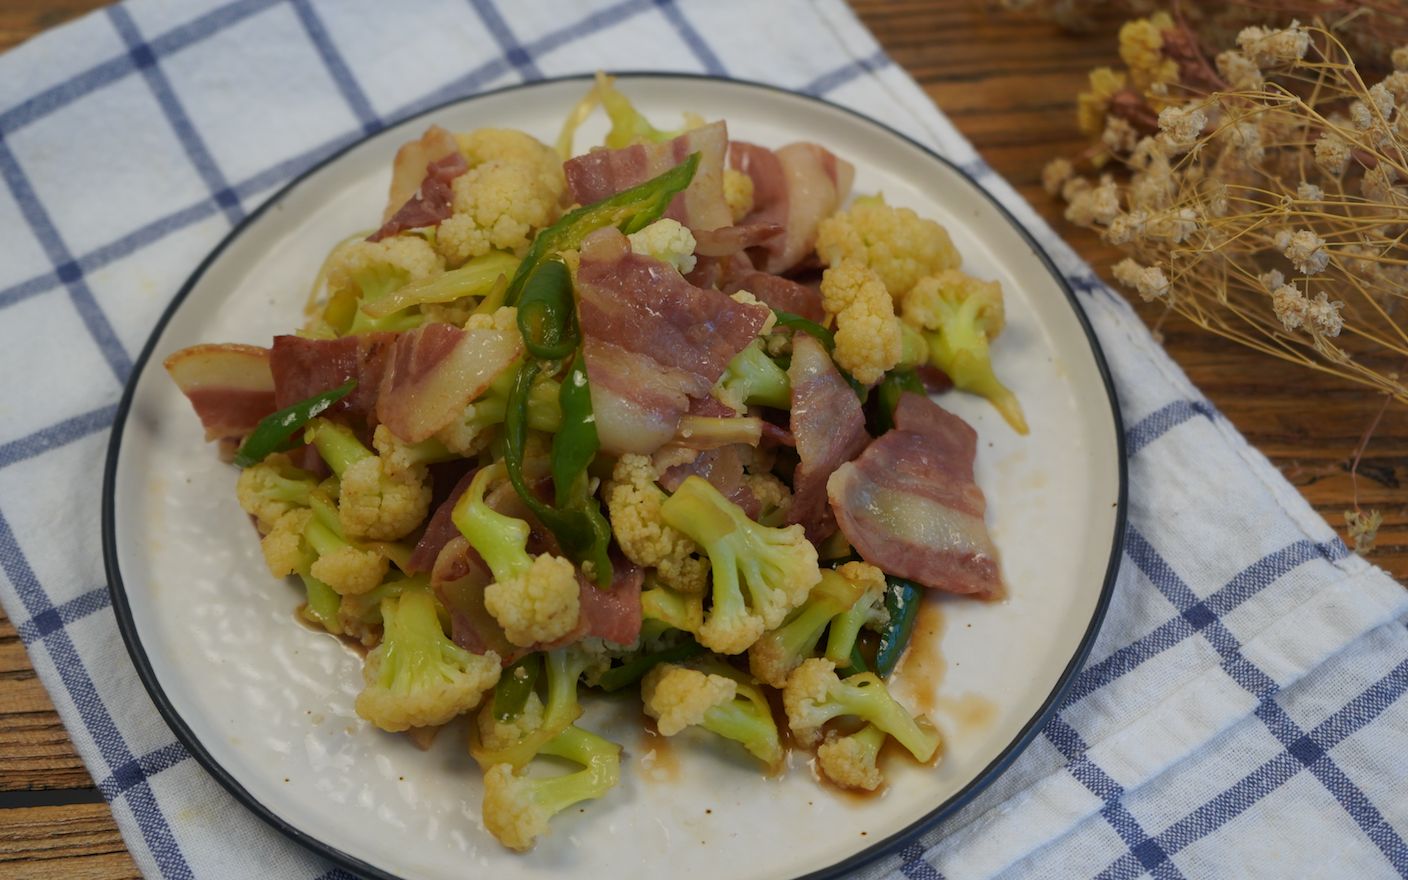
[266, 705]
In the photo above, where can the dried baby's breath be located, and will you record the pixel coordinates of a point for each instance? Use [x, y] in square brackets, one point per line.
[1263, 196]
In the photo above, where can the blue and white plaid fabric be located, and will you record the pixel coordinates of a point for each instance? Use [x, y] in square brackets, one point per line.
[1243, 713]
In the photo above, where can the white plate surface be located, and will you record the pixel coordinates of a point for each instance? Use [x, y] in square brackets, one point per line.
[267, 704]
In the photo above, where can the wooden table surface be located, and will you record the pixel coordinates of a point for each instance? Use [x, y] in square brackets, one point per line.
[1008, 81]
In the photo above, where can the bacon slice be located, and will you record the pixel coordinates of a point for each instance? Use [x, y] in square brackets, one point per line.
[305, 367]
[439, 529]
[645, 306]
[637, 403]
[613, 614]
[829, 429]
[723, 468]
[602, 173]
[781, 293]
[229, 385]
[796, 187]
[432, 203]
[910, 506]
[435, 371]
[728, 240]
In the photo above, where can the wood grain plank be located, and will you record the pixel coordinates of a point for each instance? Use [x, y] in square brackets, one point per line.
[35, 751]
[63, 843]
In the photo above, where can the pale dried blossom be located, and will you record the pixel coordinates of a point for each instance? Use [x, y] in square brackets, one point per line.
[1309, 192]
[1382, 98]
[1378, 183]
[1304, 249]
[1290, 306]
[1181, 127]
[1119, 136]
[1363, 528]
[1174, 227]
[1126, 228]
[1396, 84]
[1271, 279]
[1332, 154]
[1269, 47]
[1055, 175]
[1323, 317]
[1099, 205]
[1245, 138]
[1148, 281]
[1240, 71]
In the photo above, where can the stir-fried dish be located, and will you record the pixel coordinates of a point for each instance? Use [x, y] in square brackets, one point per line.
[656, 416]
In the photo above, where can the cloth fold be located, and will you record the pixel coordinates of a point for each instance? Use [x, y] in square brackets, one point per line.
[1242, 714]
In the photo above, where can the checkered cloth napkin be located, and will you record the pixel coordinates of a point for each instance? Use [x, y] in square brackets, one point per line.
[1242, 714]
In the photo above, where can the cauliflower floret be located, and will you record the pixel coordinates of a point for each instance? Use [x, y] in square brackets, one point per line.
[515, 148]
[379, 505]
[350, 571]
[849, 761]
[868, 340]
[897, 244]
[927, 305]
[814, 695]
[517, 808]
[504, 318]
[678, 697]
[495, 735]
[633, 502]
[511, 812]
[358, 263]
[496, 205]
[738, 193]
[272, 488]
[668, 241]
[283, 547]
[417, 677]
[774, 498]
[542, 605]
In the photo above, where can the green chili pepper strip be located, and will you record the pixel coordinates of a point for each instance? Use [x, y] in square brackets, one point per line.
[275, 429]
[515, 685]
[547, 317]
[811, 328]
[902, 600]
[575, 445]
[827, 340]
[634, 669]
[629, 210]
[856, 664]
[581, 529]
[887, 396]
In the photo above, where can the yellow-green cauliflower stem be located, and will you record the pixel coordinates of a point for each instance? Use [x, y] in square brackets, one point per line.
[382, 497]
[867, 332]
[513, 186]
[539, 606]
[738, 193]
[678, 697]
[633, 503]
[668, 241]
[895, 243]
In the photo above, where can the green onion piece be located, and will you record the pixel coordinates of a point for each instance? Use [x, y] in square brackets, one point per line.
[902, 600]
[274, 430]
[634, 669]
[515, 685]
[547, 316]
[629, 210]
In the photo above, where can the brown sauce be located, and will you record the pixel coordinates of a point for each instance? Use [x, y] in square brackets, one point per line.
[353, 645]
[658, 758]
[967, 713]
[921, 670]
